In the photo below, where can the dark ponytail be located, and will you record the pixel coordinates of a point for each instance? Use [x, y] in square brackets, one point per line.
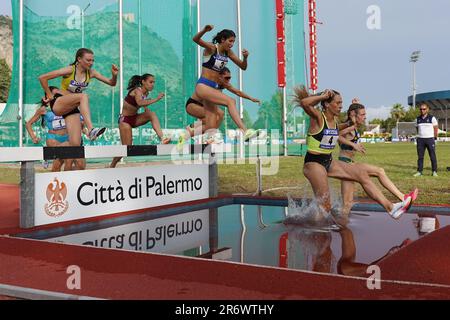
[223, 35]
[43, 104]
[136, 81]
[80, 53]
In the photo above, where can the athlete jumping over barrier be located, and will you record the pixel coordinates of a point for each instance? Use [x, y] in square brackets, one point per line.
[210, 115]
[138, 89]
[72, 101]
[56, 131]
[215, 58]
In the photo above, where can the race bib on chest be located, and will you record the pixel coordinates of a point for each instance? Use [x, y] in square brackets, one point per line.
[77, 87]
[329, 139]
[58, 123]
[220, 62]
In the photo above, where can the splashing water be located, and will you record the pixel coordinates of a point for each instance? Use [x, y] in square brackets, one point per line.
[309, 214]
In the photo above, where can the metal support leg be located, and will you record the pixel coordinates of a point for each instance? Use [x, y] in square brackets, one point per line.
[213, 177]
[27, 184]
[258, 176]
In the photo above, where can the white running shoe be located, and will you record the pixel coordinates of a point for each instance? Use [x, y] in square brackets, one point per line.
[95, 133]
[215, 139]
[261, 134]
[400, 208]
[250, 133]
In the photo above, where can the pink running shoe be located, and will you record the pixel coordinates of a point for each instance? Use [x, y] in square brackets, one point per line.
[400, 208]
[413, 194]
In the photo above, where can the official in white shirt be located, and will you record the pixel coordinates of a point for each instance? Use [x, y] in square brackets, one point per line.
[427, 130]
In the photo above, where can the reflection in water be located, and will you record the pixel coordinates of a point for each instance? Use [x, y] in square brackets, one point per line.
[310, 250]
[347, 264]
[257, 235]
[314, 246]
[426, 223]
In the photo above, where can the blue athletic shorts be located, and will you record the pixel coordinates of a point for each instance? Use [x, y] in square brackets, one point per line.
[208, 82]
[57, 137]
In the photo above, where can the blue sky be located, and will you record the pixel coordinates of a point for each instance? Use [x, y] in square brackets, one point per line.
[374, 64]
[5, 7]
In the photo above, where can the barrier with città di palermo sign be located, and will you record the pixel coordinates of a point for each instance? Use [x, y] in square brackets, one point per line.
[73, 195]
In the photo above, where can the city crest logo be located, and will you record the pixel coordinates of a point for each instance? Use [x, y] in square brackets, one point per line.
[56, 196]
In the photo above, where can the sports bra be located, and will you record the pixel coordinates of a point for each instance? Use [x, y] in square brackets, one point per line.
[132, 99]
[215, 61]
[54, 122]
[69, 83]
[346, 147]
[324, 141]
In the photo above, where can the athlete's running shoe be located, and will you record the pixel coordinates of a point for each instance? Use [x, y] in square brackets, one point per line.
[95, 133]
[250, 133]
[413, 194]
[261, 134]
[400, 208]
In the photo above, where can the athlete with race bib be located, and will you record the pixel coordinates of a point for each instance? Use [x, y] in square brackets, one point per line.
[73, 101]
[322, 137]
[215, 58]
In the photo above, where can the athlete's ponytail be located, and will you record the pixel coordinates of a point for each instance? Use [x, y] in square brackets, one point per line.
[223, 35]
[43, 104]
[136, 81]
[80, 53]
[300, 93]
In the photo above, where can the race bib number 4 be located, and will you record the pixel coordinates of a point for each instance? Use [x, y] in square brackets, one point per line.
[329, 139]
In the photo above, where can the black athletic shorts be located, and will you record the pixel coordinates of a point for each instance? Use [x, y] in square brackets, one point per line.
[52, 102]
[323, 159]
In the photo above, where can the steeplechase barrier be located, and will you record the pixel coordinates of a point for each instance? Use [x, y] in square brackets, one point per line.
[55, 197]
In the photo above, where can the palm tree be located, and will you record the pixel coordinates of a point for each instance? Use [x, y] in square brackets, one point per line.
[397, 112]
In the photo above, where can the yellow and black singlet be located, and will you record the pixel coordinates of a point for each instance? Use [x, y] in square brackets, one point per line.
[69, 83]
[324, 141]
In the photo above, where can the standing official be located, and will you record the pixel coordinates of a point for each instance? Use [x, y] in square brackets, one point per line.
[427, 130]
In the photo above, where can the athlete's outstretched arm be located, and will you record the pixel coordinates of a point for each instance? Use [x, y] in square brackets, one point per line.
[198, 39]
[112, 81]
[240, 63]
[240, 93]
[146, 102]
[29, 125]
[44, 78]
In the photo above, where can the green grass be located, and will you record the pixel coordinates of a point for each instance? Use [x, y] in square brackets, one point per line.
[399, 161]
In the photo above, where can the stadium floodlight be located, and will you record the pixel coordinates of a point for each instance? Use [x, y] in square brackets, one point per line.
[414, 58]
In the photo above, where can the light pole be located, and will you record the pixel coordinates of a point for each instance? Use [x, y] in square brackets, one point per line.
[165, 104]
[82, 24]
[414, 58]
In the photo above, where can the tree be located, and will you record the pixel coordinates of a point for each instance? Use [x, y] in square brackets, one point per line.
[269, 114]
[5, 81]
[411, 114]
[397, 112]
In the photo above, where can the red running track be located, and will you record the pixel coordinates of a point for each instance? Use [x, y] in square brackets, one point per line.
[116, 274]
